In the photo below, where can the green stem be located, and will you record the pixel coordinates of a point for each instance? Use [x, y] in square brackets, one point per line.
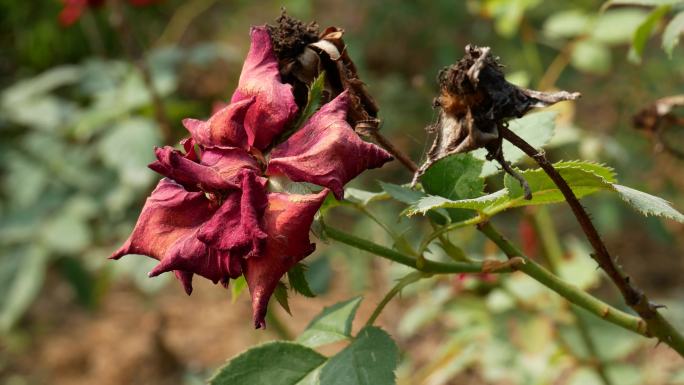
[375, 219]
[544, 227]
[405, 281]
[566, 290]
[445, 229]
[428, 266]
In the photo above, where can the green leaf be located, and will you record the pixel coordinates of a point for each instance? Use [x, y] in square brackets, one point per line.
[644, 31]
[297, 278]
[237, 286]
[455, 177]
[432, 202]
[591, 56]
[537, 129]
[279, 362]
[22, 273]
[672, 32]
[410, 196]
[363, 197]
[369, 360]
[567, 24]
[402, 193]
[584, 178]
[643, 3]
[24, 90]
[648, 204]
[313, 100]
[280, 294]
[319, 274]
[331, 325]
[617, 26]
[127, 147]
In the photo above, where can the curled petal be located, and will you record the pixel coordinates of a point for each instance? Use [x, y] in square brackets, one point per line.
[287, 221]
[218, 169]
[274, 104]
[168, 224]
[237, 225]
[225, 128]
[326, 151]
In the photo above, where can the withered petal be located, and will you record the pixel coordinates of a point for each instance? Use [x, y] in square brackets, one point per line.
[326, 151]
[225, 128]
[218, 168]
[168, 222]
[287, 222]
[274, 104]
[237, 226]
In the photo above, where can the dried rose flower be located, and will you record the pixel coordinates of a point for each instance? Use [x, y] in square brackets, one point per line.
[213, 214]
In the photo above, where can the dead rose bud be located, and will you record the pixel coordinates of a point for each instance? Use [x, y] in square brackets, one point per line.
[475, 102]
[213, 214]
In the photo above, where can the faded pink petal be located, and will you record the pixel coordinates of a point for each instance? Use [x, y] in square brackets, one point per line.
[287, 221]
[326, 151]
[225, 128]
[218, 169]
[189, 147]
[237, 226]
[168, 226]
[274, 106]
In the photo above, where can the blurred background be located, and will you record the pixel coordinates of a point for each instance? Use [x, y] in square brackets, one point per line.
[88, 87]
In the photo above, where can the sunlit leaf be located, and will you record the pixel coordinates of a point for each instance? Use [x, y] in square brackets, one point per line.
[537, 129]
[591, 56]
[617, 26]
[370, 359]
[644, 31]
[648, 204]
[331, 325]
[279, 362]
[567, 24]
[237, 286]
[672, 32]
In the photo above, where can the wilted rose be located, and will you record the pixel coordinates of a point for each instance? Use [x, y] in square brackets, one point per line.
[213, 215]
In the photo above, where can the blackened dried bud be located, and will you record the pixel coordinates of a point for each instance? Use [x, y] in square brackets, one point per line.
[475, 102]
[304, 52]
[651, 117]
[290, 36]
[659, 118]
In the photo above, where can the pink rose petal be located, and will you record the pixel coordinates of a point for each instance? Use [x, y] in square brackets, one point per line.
[287, 221]
[326, 151]
[225, 128]
[237, 225]
[274, 106]
[218, 169]
[168, 224]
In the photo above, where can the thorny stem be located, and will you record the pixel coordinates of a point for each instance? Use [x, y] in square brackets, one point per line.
[553, 251]
[119, 23]
[566, 290]
[401, 284]
[657, 326]
[522, 263]
[371, 129]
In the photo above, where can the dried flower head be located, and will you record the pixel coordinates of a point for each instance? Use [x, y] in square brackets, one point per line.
[214, 216]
